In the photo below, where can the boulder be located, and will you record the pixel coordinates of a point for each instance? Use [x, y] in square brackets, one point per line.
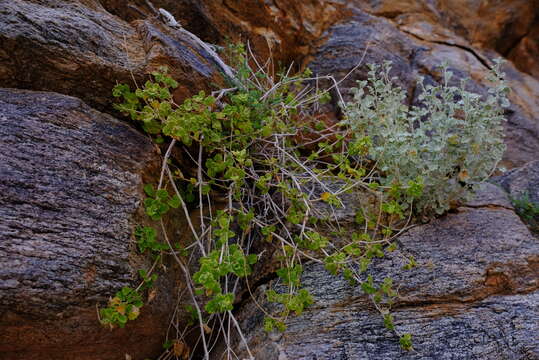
[71, 181]
[474, 294]
[79, 49]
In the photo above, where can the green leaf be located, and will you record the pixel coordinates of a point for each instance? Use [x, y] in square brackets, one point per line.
[174, 202]
[149, 190]
[406, 341]
[220, 303]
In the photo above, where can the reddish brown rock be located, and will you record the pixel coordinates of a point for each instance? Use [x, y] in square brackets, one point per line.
[281, 28]
[525, 55]
[496, 25]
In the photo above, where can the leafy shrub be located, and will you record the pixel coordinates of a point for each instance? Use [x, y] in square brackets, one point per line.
[449, 143]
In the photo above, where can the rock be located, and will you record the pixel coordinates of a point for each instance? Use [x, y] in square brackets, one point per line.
[284, 29]
[522, 181]
[188, 13]
[490, 25]
[523, 187]
[71, 183]
[525, 54]
[78, 48]
[418, 46]
[490, 194]
[474, 295]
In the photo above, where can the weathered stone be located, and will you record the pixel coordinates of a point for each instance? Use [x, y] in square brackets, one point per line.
[77, 48]
[284, 29]
[489, 194]
[522, 181]
[187, 12]
[525, 54]
[491, 25]
[71, 183]
[473, 295]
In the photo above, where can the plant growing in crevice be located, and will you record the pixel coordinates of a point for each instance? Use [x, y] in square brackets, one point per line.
[528, 210]
[449, 143]
[255, 185]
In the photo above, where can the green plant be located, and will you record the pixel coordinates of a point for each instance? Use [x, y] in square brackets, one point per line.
[449, 143]
[124, 306]
[527, 210]
[263, 170]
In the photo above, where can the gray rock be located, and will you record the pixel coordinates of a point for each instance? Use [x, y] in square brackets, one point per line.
[489, 194]
[522, 181]
[71, 183]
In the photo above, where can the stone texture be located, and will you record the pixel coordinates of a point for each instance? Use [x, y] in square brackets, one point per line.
[79, 49]
[283, 29]
[521, 181]
[525, 54]
[473, 295]
[497, 25]
[71, 183]
[187, 12]
[490, 194]
[288, 28]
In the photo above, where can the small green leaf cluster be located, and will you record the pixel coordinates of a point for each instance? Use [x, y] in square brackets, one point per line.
[159, 202]
[147, 240]
[295, 300]
[292, 302]
[121, 308]
[405, 341]
[149, 104]
[213, 268]
[448, 144]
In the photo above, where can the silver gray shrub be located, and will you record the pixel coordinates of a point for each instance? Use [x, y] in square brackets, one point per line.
[451, 142]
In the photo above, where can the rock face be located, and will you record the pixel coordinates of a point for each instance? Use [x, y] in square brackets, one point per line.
[473, 295]
[525, 54]
[71, 183]
[79, 49]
